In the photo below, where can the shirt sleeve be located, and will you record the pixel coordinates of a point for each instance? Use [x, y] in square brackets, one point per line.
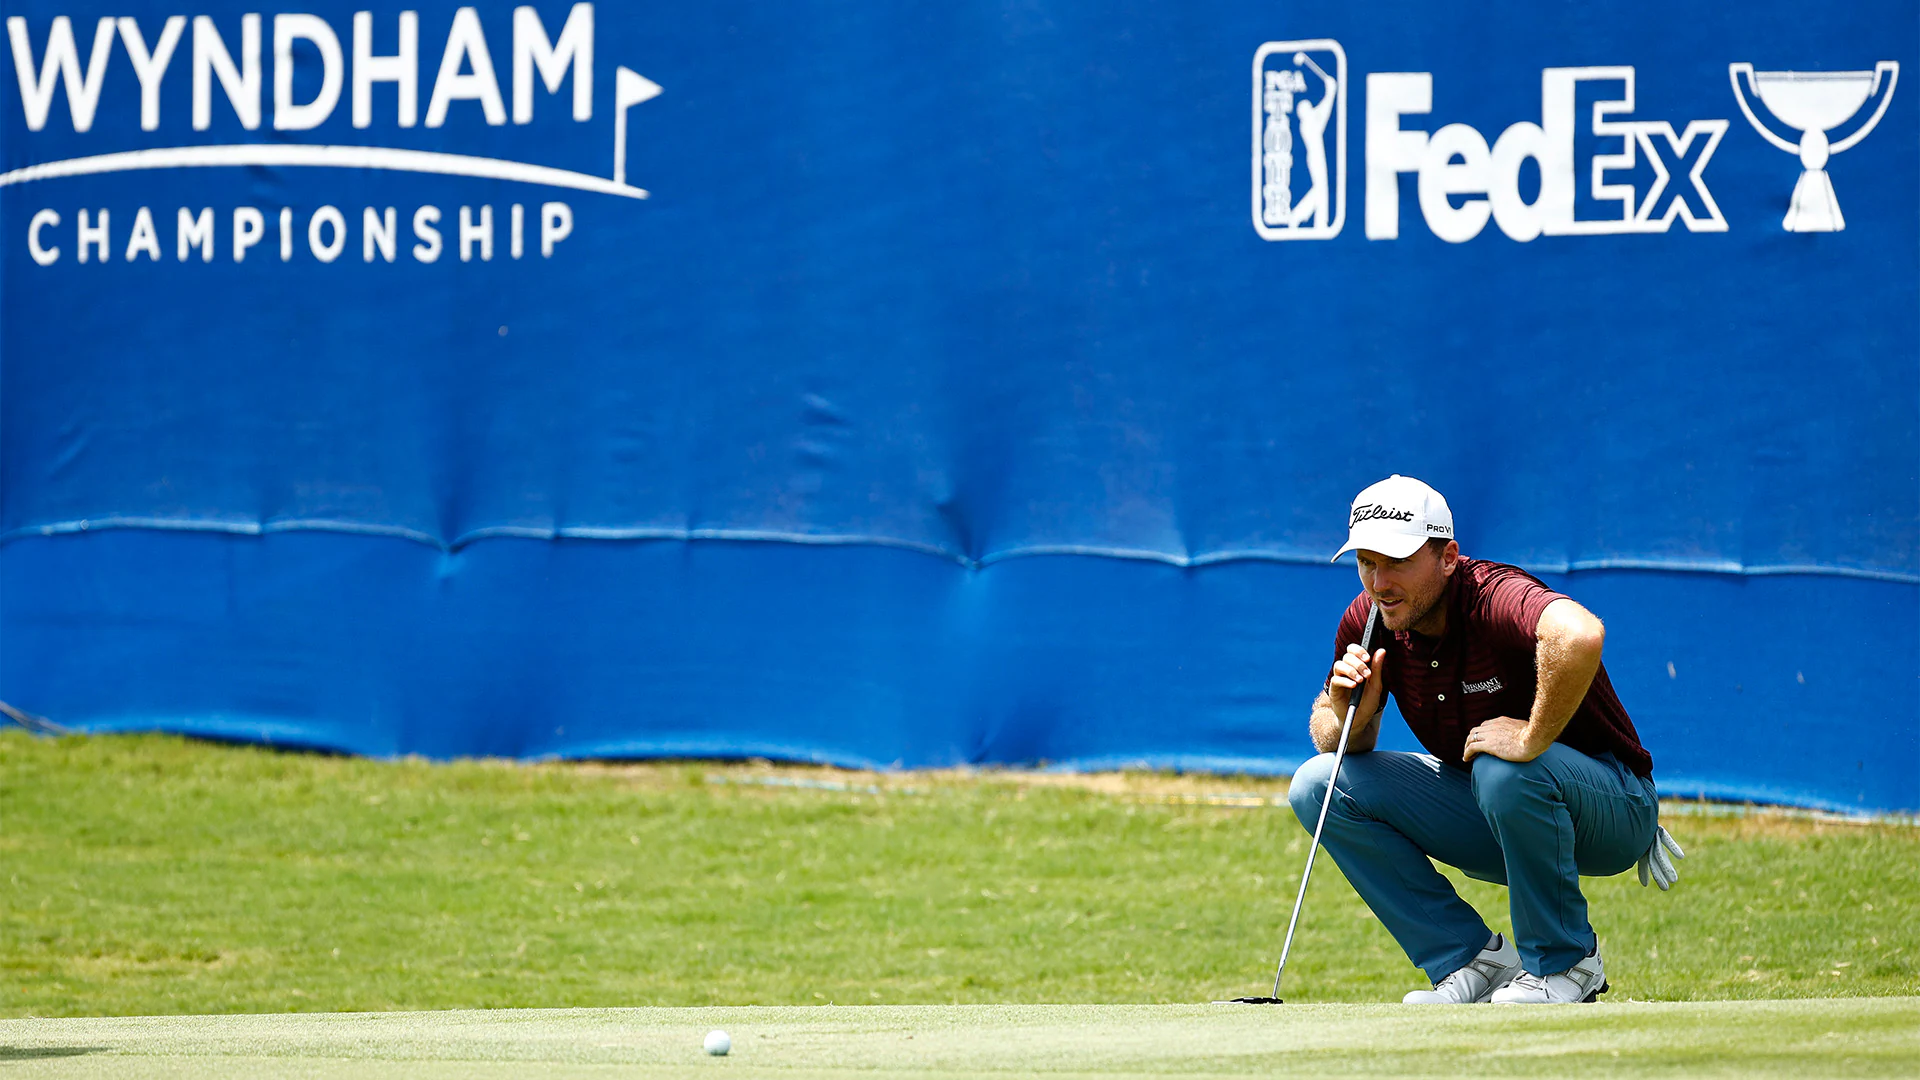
[1510, 605]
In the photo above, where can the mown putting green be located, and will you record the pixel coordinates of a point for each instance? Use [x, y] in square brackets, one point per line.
[1835, 1038]
[150, 875]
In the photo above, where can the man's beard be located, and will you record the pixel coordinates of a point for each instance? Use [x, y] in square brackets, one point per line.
[1413, 615]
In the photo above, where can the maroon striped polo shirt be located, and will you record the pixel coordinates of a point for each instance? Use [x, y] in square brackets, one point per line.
[1483, 667]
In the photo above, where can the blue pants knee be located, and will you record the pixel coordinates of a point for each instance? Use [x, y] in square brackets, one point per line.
[1309, 788]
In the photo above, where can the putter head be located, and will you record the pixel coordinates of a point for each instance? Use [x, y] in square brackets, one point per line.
[1254, 1001]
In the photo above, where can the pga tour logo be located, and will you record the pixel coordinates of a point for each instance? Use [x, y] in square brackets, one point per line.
[1300, 139]
[1465, 181]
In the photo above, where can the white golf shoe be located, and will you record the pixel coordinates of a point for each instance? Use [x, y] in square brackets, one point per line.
[1583, 982]
[1475, 982]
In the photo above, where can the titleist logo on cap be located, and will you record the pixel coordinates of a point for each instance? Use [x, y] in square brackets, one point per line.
[1375, 512]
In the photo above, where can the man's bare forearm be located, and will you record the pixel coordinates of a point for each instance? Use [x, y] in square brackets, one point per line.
[1566, 659]
[1324, 726]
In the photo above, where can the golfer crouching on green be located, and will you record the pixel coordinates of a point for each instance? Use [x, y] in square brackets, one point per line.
[1533, 774]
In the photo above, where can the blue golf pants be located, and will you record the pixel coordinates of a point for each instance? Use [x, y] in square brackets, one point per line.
[1534, 827]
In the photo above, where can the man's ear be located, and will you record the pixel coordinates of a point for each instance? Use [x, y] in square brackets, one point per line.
[1449, 557]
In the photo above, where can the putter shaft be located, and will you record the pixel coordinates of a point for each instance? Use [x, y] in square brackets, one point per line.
[1339, 754]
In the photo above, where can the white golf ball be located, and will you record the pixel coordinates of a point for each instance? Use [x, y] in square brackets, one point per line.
[718, 1044]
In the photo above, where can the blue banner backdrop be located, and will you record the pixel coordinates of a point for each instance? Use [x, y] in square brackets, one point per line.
[910, 384]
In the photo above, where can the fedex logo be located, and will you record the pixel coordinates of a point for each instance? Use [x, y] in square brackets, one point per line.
[1457, 161]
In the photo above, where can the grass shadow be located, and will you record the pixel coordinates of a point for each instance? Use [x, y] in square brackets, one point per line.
[31, 1053]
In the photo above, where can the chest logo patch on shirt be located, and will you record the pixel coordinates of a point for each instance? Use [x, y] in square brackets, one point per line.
[1489, 686]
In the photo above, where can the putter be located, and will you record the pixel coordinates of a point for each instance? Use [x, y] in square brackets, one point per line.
[1339, 753]
[39, 725]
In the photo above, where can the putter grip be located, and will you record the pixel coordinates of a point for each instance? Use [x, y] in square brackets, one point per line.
[1366, 646]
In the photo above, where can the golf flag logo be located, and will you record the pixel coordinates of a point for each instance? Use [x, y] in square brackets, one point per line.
[1300, 139]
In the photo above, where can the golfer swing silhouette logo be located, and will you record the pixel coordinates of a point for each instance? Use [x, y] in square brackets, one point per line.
[1299, 93]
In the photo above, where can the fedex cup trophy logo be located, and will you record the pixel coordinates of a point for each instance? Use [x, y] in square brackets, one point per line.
[1299, 166]
[1814, 103]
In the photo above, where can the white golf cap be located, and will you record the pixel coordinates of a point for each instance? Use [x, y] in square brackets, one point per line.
[1395, 516]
